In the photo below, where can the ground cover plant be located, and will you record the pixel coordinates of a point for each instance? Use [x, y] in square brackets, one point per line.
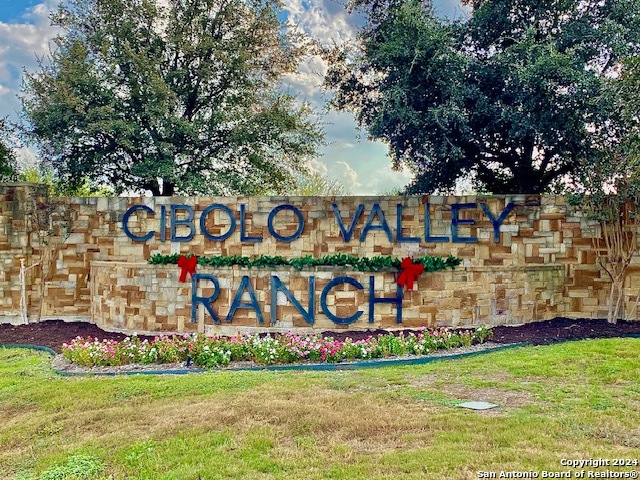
[574, 400]
[217, 351]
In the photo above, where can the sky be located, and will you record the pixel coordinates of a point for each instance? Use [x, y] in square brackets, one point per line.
[362, 166]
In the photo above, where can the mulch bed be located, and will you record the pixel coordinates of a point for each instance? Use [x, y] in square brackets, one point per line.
[53, 333]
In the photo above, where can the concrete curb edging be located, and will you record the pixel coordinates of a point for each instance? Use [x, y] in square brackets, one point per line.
[381, 363]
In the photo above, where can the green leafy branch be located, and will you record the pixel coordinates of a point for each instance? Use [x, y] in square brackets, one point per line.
[362, 264]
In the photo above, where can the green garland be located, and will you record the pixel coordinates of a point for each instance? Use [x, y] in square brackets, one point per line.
[362, 264]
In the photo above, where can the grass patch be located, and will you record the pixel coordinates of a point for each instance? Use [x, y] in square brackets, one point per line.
[573, 400]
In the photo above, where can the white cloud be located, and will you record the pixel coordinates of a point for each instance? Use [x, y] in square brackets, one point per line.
[27, 157]
[387, 179]
[346, 175]
[23, 44]
[324, 20]
[308, 77]
[316, 166]
[327, 22]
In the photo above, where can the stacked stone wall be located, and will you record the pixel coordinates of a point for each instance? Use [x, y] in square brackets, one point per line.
[87, 268]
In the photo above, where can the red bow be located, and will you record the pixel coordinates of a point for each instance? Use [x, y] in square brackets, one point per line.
[410, 272]
[187, 265]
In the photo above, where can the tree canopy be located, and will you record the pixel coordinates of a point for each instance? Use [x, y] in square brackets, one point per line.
[629, 95]
[7, 157]
[175, 96]
[516, 95]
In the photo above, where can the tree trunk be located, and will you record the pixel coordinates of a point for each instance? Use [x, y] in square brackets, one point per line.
[619, 310]
[168, 189]
[610, 302]
[154, 187]
[616, 300]
[611, 314]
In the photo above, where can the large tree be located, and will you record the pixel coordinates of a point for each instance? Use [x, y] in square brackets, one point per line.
[514, 95]
[608, 190]
[171, 96]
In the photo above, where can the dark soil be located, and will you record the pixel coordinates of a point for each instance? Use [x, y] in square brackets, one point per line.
[54, 333]
[538, 333]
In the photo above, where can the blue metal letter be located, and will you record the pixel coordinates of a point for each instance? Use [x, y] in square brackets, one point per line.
[163, 223]
[243, 227]
[496, 222]
[383, 224]
[427, 227]
[203, 222]
[206, 301]
[278, 286]
[298, 215]
[325, 308]
[399, 236]
[125, 226]
[455, 221]
[187, 222]
[245, 284]
[346, 234]
[373, 300]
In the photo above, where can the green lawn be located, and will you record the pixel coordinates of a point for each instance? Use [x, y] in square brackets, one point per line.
[575, 400]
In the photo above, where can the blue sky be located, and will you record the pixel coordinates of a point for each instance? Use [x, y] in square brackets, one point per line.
[12, 10]
[362, 166]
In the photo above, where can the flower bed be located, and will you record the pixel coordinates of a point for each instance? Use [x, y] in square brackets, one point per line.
[209, 352]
